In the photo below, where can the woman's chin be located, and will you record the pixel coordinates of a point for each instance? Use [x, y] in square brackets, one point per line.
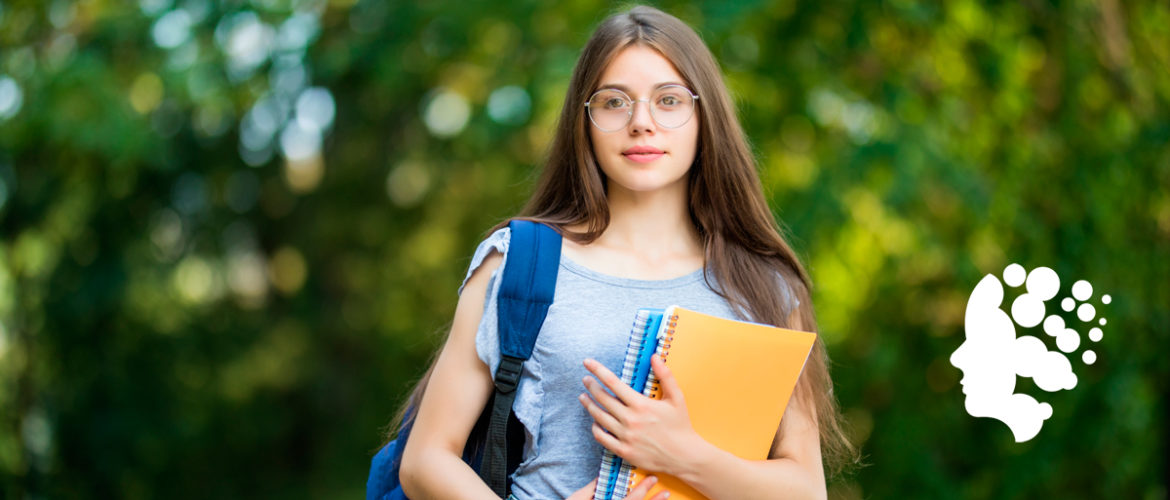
[644, 185]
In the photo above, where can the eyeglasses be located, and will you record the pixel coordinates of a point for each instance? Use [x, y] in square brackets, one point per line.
[671, 106]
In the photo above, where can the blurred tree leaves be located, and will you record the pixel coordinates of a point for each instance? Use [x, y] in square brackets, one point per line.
[232, 231]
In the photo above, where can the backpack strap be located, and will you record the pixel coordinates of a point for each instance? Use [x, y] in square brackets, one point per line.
[529, 280]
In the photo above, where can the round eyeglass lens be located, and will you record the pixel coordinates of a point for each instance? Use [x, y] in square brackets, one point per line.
[673, 106]
[609, 109]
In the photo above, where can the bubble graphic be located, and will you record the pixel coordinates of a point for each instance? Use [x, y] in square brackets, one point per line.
[1014, 275]
[1086, 312]
[1102, 322]
[993, 354]
[1082, 290]
[1068, 340]
[1053, 325]
[1105, 299]
[1028, 310]
[1043, 282]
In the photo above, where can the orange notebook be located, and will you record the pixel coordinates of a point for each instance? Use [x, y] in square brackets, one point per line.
[737, 378]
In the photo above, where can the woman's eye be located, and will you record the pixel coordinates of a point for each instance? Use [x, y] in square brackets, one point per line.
[614, 103]
[668, 100]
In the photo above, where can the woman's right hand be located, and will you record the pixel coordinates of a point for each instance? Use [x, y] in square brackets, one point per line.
[639, 491]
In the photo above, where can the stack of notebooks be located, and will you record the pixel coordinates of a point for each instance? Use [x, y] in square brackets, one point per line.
[736, 377]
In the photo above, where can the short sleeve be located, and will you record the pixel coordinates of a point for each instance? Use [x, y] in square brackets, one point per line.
[788, 297]
[487, 335]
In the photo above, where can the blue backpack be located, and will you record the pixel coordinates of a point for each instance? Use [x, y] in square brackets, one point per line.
[496, 442]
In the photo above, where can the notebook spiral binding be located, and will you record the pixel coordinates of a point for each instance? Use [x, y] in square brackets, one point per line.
[663, 350]
[609, 477]
[653, 390]
[620, 472]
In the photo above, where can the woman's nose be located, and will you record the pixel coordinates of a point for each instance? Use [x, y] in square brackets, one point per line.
[641, 120]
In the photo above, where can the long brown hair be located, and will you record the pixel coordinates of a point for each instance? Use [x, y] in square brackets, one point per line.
[743, 246]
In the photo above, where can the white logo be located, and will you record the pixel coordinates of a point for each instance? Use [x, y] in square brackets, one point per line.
[993, 356]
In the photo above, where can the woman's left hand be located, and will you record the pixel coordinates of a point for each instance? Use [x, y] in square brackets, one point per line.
[654, 434]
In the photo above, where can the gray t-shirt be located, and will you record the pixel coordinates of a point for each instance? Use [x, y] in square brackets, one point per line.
[590, 317]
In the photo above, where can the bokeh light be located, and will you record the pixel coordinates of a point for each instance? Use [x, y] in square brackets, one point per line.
[11, 98]
[172, 29]
[407, 183]
[446, 113]
[509, 105]
[287, 270]
[315, 109]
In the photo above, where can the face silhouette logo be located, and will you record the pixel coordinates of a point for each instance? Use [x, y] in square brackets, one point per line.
[993, 356]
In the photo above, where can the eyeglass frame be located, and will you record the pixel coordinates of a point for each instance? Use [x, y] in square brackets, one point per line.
[634, 102]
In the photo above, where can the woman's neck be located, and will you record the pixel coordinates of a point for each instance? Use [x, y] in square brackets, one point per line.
[655, 225]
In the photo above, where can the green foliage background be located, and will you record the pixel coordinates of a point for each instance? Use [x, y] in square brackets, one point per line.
[176, 322]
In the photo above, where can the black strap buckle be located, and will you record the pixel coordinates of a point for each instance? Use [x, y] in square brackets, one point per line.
[508, 374]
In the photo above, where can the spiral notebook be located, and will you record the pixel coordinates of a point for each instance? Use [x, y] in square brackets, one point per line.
[635, 370]
[737, 378]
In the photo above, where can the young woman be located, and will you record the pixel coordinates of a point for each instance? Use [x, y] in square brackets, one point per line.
[655, 192]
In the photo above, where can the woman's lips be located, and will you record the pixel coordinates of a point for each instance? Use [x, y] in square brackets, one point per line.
[644, 157]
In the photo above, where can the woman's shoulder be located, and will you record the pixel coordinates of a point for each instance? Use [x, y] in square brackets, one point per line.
[486, 251]
[497, 240]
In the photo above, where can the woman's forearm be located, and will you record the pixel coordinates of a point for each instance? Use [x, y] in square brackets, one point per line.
[437, 473]
[720, 475]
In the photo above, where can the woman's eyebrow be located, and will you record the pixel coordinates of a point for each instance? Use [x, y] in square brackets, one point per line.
[626, 89]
